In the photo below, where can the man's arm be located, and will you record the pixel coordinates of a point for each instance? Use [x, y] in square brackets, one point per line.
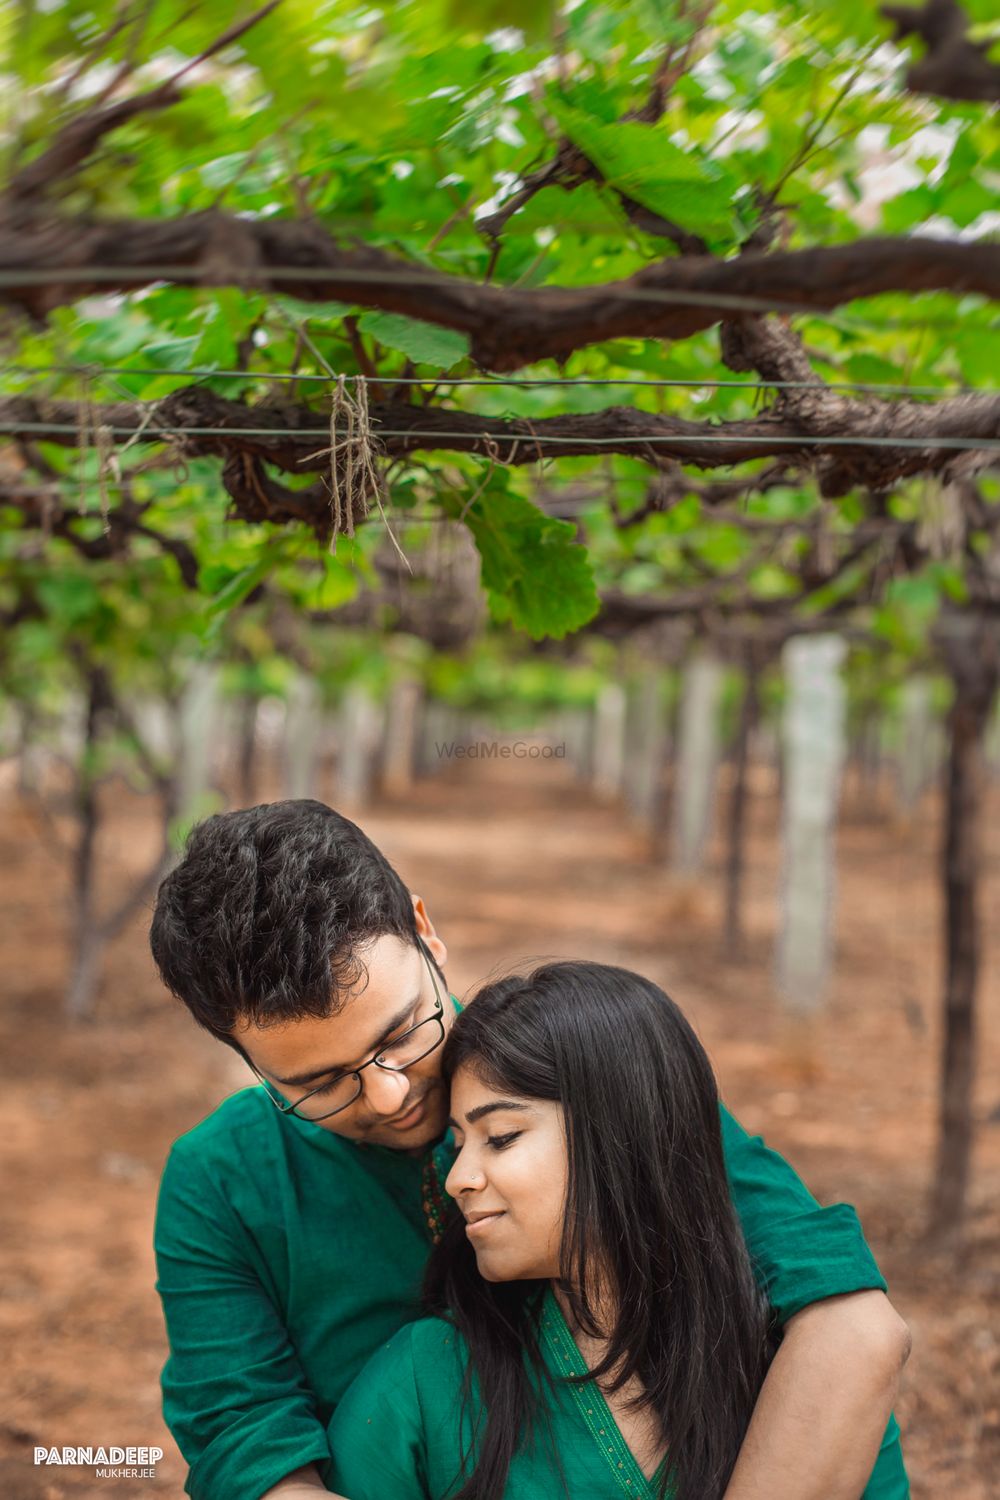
[818, 1412]
[304, 1484]
[234, 1393]
[822, 1413]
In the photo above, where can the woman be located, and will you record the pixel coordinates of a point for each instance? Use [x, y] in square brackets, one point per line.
[598, 1329]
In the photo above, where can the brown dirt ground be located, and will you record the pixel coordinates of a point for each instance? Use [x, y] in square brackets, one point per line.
[514, 860]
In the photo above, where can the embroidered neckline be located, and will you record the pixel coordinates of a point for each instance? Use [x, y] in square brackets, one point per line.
[593, 1406]
[433, 1197]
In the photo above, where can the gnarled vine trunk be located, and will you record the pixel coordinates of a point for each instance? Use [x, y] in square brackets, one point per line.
[971, 651]
[88, 944]
[736, 830]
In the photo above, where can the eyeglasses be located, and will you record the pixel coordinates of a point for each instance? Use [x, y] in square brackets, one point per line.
[395, 1057]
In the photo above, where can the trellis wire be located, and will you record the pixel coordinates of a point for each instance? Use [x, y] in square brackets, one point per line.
[500, 381]
[191, 275]
[290, 434]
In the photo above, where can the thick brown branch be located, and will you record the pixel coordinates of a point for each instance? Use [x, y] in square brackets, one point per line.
[954, 66]
[43, 509]
[673, 485]
[508, 327]
[295, 439]
[718, 596]
[633, 610]
[77, 140]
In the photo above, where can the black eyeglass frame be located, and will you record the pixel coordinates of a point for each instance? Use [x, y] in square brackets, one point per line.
[437, 1019]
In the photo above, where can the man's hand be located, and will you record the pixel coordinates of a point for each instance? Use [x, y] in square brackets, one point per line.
[304, 1484]
[823, 1409]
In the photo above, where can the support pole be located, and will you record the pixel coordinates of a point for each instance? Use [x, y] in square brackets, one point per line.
[359, 740]
[697, 762]
[402, 720]
[609, 742]
[813, 733]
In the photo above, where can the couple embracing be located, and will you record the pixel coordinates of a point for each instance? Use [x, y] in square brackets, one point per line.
[509, 1252]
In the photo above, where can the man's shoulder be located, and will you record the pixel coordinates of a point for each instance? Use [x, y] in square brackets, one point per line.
[247, 1111]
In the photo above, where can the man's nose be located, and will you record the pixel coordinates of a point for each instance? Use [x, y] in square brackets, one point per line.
[385, 1091]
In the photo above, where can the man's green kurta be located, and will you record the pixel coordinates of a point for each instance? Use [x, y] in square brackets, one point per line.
[287, 1255]
[401, 1429]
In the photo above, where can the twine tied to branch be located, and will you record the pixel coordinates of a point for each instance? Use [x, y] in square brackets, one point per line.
[107, 463]
[942, 527]
[355, 476]
[354, 473]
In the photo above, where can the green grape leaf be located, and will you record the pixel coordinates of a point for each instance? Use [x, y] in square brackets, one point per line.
[642, 162]
[536, 574]
[171, 354]
[69, 597]
[532, 17]
[234, 590]
[424, 343]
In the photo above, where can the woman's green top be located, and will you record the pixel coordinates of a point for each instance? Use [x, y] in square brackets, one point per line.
[288, 1255]
[402, 1428]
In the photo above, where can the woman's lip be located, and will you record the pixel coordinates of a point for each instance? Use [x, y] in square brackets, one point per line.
[407, 1121]
[480, 1226]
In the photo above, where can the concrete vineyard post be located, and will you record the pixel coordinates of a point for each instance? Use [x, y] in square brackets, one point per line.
[198, 725]
[303, 723]
[358, 740]
[609, 742]
[915, 762]
[646, 747]
[697, 763]
[400, 753]
[813, 742]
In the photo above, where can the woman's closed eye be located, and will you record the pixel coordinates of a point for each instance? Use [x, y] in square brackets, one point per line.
[501, 1142]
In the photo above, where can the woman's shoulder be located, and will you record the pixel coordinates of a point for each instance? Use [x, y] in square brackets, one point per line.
[431, 1336]
[423, 1337]
[417, 1354]
[391, 1416]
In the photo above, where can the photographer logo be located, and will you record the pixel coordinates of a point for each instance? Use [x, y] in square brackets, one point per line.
[107, 1463]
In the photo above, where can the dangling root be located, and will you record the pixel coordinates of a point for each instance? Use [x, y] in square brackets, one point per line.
[84, 427]
[942, 525]
[355, 478]
[99, 436]
[107, 463]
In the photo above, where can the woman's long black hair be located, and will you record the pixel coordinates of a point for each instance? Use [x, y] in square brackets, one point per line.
[649, 1217]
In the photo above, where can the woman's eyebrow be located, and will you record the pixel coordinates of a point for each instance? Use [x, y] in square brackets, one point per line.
[482, 1110]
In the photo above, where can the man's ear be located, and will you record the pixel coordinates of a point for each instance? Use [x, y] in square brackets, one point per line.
[425, 928]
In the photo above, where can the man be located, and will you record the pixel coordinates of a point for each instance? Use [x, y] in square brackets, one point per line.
[293, 1223]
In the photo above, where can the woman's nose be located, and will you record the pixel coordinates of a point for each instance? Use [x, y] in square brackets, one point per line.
[465, 1175]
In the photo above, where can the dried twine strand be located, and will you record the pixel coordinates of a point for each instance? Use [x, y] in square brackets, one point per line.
[352, 411]
[354, 472]
[942, 526]
[84, 428]
[493, 454]
[107, 463]
[336, 508]
[174, 440]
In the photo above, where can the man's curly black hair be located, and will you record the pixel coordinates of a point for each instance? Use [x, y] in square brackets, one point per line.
[263, 918]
